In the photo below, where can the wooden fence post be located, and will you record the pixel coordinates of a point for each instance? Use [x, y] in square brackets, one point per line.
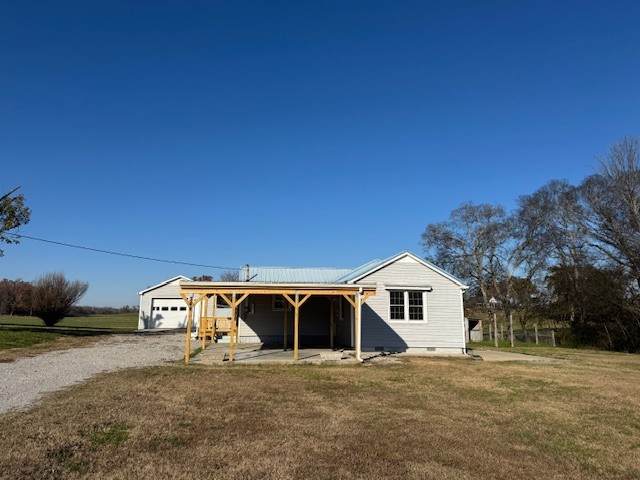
[535, 328]
[553, 338]
[511, 329]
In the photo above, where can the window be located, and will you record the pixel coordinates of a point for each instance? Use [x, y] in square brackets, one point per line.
[396, 304]
[407, 305]
[183, 309]
[280, 304]
[174, 309]
[164, 309]
[416, 311]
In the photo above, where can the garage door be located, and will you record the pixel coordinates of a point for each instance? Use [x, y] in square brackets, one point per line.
[168, 313]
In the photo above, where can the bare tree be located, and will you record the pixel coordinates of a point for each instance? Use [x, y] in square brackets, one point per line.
[230, 276]
[557, 212]
[613, 200]
[53, 296]
[467, 243]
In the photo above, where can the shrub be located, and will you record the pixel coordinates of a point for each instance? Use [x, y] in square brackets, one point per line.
[54, 295]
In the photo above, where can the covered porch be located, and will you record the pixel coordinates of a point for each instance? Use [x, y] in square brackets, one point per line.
[214, 321]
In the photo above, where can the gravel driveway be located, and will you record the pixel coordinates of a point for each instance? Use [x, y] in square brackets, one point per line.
[26, 380]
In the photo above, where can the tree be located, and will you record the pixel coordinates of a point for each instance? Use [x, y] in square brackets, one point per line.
[230, 276]
[13, 213]
[53, 296]
[203, 278]
[598, 309]
[467, 243]
[613, 200]
[558, 211]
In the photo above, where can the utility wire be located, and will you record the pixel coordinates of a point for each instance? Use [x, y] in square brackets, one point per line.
[120, 254]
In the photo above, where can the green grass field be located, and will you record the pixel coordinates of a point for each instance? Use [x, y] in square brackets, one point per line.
[20, 336]
[118, 322]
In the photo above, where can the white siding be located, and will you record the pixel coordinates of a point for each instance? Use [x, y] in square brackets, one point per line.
[443, 329]
[170, 290]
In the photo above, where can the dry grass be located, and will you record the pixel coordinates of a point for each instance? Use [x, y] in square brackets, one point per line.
[424, 418]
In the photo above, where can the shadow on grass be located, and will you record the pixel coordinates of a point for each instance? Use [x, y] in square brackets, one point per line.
[69, 331]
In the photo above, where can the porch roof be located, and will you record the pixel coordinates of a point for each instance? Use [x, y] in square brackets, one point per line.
[187, 287]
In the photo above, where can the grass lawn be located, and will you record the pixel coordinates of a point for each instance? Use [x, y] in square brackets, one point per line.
[424, 418]
[20, 336]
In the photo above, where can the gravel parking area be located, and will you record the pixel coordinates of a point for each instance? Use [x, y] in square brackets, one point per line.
[26, 380]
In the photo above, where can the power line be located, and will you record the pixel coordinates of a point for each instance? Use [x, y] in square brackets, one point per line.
[120, 254]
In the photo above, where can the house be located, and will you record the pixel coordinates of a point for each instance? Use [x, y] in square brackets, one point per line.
[399, 304]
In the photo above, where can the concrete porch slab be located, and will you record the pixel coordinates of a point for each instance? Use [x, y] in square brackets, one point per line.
[256, 353]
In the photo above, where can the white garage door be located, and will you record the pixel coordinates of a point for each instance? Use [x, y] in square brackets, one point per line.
[168, 313]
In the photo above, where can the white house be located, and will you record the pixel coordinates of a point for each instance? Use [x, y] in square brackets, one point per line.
[399, 304]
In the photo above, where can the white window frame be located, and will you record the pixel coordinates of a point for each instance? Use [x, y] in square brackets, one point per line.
[406, 291]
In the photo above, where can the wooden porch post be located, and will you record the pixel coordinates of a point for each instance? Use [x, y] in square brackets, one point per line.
[233, 326]
[332, 321]
[286, 329]
[296, 317]
[203, 324]
[187, 349]
[238, 324]
[215, 304]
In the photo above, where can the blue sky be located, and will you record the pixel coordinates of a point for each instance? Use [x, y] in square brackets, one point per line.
[292, 133]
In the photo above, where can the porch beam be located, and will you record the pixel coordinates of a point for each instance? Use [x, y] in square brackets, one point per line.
[225, 298]
[281, 291]
[304, 300]
[288, 298]
[367, 294]
[348, 297]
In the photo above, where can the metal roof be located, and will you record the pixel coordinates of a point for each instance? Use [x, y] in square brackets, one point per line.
[362, 269]
[293, 274]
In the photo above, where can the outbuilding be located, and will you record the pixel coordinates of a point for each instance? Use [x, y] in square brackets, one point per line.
[161, 306]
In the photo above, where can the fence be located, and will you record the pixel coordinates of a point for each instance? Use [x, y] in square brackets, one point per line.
[540, 336]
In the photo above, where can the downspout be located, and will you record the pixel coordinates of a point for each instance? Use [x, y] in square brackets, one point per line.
[464, 336]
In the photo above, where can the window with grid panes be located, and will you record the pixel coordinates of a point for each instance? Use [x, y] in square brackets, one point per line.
[406, 305]
[396, 303]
